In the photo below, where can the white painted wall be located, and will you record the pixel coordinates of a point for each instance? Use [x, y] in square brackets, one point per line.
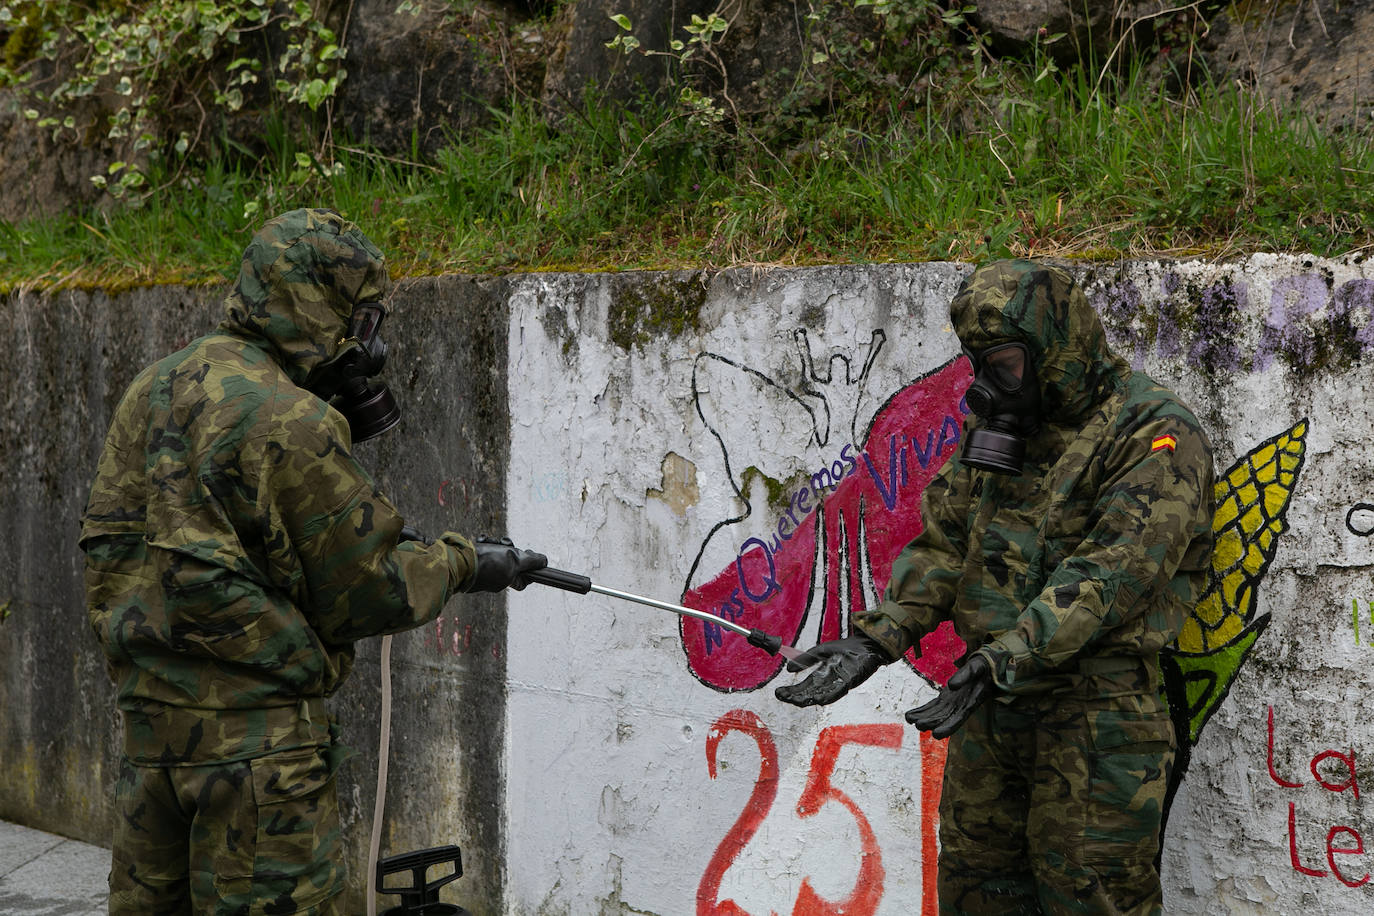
[618, 470]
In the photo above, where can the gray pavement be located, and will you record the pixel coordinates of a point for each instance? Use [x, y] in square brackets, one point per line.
[46, 875]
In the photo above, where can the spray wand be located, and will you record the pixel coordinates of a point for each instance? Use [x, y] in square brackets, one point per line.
[573, 582]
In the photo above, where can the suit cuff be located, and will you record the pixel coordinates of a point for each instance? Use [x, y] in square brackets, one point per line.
[462, 560]
[884, 631]
[1009, 657]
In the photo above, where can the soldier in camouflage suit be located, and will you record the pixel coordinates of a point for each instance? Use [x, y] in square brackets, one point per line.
[235, 549]
[1064, 581]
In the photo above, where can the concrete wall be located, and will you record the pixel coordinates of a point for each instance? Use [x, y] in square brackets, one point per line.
[752, 443]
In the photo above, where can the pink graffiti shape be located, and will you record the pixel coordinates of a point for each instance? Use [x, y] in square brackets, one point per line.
[866, 520]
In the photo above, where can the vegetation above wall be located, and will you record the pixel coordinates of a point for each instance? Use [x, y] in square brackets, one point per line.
[906, 138]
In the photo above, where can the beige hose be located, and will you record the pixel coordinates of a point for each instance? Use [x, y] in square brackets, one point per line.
[379, 805]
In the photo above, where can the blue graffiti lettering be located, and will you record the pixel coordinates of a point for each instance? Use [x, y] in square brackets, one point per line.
[804, 500]
[770, 582]
[889, 492]
[713, 634]
[951, 431]
[848, 458]
[923, 455]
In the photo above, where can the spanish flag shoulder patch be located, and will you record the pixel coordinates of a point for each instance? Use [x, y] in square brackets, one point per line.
[1165, 441]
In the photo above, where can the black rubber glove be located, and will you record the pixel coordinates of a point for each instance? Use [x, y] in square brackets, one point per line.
[966, 688]
[844, 664]
[501, 565]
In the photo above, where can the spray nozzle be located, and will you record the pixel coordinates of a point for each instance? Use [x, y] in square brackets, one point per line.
[765, 641]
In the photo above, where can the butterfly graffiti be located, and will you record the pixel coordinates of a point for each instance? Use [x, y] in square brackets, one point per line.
[822, 547]
[808, 550]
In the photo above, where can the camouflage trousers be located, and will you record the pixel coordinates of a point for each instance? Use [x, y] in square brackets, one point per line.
[252, 837]
[1052, 806]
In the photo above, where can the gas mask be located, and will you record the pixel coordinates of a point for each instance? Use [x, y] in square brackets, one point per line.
[369, 408]
[1006, 393]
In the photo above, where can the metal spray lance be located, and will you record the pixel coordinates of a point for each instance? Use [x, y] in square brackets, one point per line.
[573, 582]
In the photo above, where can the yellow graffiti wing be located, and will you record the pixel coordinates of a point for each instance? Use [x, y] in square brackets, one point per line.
[1251, 498]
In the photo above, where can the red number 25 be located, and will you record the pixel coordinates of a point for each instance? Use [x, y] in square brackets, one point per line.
[868, 888]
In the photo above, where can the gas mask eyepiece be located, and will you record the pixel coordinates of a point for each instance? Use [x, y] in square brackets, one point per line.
[1006, 394]
[369, 407]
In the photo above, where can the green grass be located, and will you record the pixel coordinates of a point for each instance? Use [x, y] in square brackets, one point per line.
[1049, 167]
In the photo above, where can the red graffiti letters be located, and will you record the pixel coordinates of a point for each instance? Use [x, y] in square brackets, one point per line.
[1333, 771]
[765, 789]
[868, 887]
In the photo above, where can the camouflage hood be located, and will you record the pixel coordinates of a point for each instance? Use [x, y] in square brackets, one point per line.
[301, 276]
[1045, 309]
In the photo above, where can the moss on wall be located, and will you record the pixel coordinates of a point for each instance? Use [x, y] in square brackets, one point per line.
[646, 306]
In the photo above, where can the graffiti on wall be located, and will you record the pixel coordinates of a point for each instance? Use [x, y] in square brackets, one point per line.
[826, 552]
[823, 553]
[829, 551]
[1359, 521]
[1333, 771]
[821, 788]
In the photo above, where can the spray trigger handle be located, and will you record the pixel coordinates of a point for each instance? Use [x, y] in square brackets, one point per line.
[560, 578]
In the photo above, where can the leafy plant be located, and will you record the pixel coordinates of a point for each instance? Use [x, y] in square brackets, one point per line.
[151, 72]
[853, 56]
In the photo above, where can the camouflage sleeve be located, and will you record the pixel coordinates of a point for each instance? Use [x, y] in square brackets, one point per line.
[1147, 516]
[926, 573]
[336, 541]
[115, 518]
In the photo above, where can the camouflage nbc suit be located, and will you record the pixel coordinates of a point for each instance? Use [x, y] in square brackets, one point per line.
[234, 551]
[1068, 579]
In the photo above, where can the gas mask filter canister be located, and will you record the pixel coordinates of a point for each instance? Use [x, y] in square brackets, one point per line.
[369, 407]
[1006, 394]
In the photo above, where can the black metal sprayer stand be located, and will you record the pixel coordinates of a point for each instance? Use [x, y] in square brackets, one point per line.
[421, 897]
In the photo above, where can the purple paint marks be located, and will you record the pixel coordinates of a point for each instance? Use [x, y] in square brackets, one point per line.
[1306, 321]
[1352, 313]
[1285, 330]
[1171, 309]
[1218, 321]
[1118, 303]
